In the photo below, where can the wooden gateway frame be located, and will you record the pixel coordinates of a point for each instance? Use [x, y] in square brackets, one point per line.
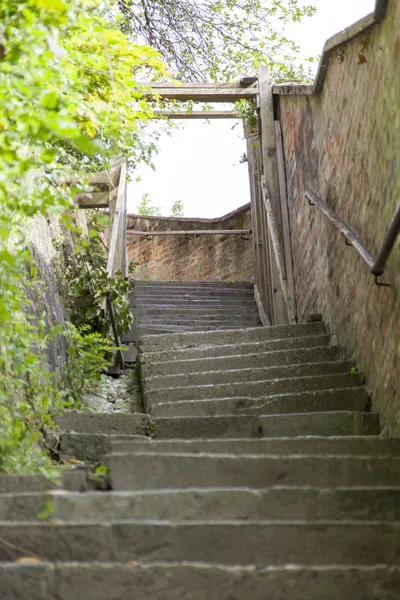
[274, 281]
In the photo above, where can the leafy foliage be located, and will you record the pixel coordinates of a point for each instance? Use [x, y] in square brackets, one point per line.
[146, 207]
[218, 39]
[69, 100]
[86, 281]
[177, 208]
[89, 354]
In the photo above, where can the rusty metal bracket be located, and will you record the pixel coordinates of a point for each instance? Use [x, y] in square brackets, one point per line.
[380, 283]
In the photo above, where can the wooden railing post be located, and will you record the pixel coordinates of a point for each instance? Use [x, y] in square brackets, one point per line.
[281, 309]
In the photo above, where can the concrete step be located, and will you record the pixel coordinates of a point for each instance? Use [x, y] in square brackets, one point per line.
[169, 581]
[154, 330]
[74, 479]
[353, 399]
[187, 378]
[272, 503]
[281, 425]
[226, 542]
[181, 302]
[199, 321]
[343, 445]
[193, 293]
[251, 389]
[238, 361]
[91, 447]
[106, 423]
[155, 310]
[197, 284]
[209, 351]
[160, 316]
[259, 334]
[156, 471]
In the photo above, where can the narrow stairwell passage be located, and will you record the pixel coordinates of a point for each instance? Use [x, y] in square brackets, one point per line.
[258, 472]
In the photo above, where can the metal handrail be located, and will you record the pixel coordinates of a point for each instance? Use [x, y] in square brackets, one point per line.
[376, 265]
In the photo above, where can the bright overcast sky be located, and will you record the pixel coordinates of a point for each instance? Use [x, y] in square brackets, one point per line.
[199, 164]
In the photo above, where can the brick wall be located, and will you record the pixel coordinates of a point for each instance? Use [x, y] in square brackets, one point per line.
[200, 257]
[344, 144]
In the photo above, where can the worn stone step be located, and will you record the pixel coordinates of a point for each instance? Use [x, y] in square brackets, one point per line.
[148, 470]
[260, 334]
[198, 321]
[272, 503]
[154, 330]
[169, 581]
[171, 309]
[181, 302]
[74, 479]
[251, 389]
[91, 447]
[187, 378]
[187, 283]
[106, 423]
[159, 316]
[278, 425]
[148, 365]
[194, 293]
[226, 542]
[353, 399]
[209, 351]
[335, 445]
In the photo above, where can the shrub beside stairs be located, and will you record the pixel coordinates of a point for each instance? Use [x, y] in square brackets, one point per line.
[256, 471]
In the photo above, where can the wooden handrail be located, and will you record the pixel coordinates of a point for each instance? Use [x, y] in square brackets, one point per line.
[273, 232]
[375, 265]
[116, 260]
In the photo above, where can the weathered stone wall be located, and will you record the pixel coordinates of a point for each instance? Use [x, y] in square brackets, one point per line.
[344, 144]
[47, 301]
[200, 257]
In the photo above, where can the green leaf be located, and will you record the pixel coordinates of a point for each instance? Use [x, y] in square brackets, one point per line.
[50, 100]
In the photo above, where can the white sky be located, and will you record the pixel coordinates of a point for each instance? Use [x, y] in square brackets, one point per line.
[199, 163]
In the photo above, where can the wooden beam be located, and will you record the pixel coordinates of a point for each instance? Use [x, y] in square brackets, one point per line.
[270, 183]
[96, 199]
[205, 92]
[223, 114]
[287, 240]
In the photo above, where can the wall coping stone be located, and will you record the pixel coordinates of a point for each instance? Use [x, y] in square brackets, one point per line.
[226, 217]
[340, 38]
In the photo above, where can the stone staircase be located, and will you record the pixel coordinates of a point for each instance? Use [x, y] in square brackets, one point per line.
[256, 473]
[175, 306]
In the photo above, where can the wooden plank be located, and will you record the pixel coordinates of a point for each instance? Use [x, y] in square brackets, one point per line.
[268, 145]
[287, 240]
[184, 85]
[270, 174]
[206, 114]
[262, 314]
[112, 246]
[192, 232]
[96, 199]
[260, 242]
[209, 93]
[278, 256]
